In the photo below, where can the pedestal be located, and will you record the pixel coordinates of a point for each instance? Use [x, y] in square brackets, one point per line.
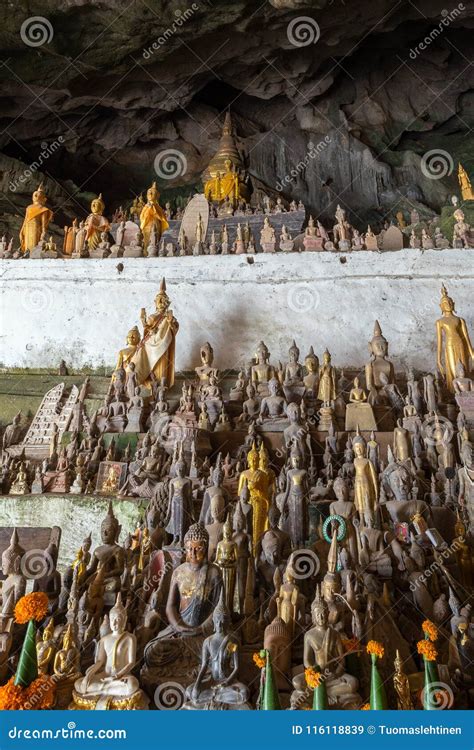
[313, 244]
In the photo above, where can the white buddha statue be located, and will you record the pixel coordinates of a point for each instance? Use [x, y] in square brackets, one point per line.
[109, 681]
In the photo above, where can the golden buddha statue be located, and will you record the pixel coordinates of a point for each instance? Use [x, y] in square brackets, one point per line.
[401, 685]
[465, 184]
[257, 484]
[453, 342]
[46, 648]
[366, 488]
[36, 221]
[96, 223]
[226, 560]
[264, 466]
[67, 660]
[125, 355]
[222, 179]
[327, 380]
[152, 216]
[156, 351]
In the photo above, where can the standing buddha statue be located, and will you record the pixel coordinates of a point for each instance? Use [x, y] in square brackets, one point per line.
[453, 342]
[465, 184]
[152, 216]
[36, 221]
[226, 560]
[96, 223]
[327, 380]
[258, 487]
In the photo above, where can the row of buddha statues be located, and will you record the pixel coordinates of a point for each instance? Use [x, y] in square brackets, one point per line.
[307, 556]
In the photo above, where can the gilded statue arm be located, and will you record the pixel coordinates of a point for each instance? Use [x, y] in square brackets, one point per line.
[374, 480]
[467, 339]
[439, 347]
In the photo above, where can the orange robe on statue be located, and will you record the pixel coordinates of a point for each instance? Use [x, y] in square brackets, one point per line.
[156, 352]
[34, 225]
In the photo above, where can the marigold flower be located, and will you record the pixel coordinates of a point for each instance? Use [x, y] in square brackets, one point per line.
[376, 648]
[430, 630]
[365, 707]
[259, 660]
[427, 650]
[313, 678]
[31, 607]
[39, 695]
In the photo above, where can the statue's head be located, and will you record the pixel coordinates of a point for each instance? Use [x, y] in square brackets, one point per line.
[217, 476]
[271, 547]
[340, 489]
[244, 492]
[68, 638]
[293, 412]
[250, 391]
[378, 344]
[326, 357]
[398, 481]
[311, 361]
[239, 519]
[196, 542]
[252, 458]
[181, 468]
[217, 507]
[207, 354]
[39, 196]
[273, 386]
[110, 527]
[162, 301]
[221, 616]
[330, 585]
[11, 557]
[263, 460]
[118, 616]
[133, 337]
[152, 193]
[295, 457]
[459, 215]
[48, 632]
[319, 609]
[447, 303]
[358, 446]
[262, 354]
[98, 205]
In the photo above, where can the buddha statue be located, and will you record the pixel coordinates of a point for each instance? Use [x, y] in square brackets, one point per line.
[194, 591]
[327, 380]
[311, 379]
[262, 371]
[453, 342]
[461, 383]
[462, 231]
[291, 603]
[324, 651]
[13, 432]
[109, 555]
[342, 230]
[216, 488]
[96, 224]
[293, 372]
[180, 504]
[20, 483]
[358, 412]
[223, 179]
[109, 682]
[152, 217]
[14, 585]
[216, 685]
[465, 184]
[378, 348]
[294, 510]
[156, 352]
[46, 648]
[257, 486]
[125, 355]
[273, 407]
[226, 560]
[36, 221]
[366, 490]
[205, 369]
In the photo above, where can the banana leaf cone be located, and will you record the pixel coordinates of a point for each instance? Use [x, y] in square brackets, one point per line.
[429, 700]
[27, 669]
[378, 697]
[320, 697]
[270, 698]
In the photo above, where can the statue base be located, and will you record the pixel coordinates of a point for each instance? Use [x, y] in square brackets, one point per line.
[64, 690]
[360, 416]
[239, 247]
[287, 246]
[133, 252]
[465, 401]
[116, 251]
[313, 244]
[268, 247]
[138, 701]
[214, 705]
[99, 253]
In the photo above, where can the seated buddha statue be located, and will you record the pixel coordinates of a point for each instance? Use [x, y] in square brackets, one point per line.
[109, 681]
[96, 223]
[359, 414]
[194, 592]
[224, 181]
[125, 355]
[324, 651]
[273, 407]
[152, 216]
[262, 371]
[205, 369]
[378, 348]
[216, 685]
[109, 555]
[293, 372]
[36, 221]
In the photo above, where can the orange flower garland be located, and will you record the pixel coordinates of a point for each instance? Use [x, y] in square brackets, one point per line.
[430, 630]
[375, 648]
[259, 660]
[31, 607]
[38, 695]
[427, 650]
[365, 707]
[313, 678]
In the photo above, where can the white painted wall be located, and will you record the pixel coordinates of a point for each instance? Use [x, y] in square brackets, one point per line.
[81, 310]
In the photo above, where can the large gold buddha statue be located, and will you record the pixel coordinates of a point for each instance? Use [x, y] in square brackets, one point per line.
[465, 184]
[453, 342]
[35, 223]
[152, 216]
[96, 223]
[156, 351]
[223, 178]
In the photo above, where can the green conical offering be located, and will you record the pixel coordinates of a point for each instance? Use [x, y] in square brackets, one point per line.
[378, 697]
[27, 669]
[270, 699]
[429, 702]
[320, 697]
